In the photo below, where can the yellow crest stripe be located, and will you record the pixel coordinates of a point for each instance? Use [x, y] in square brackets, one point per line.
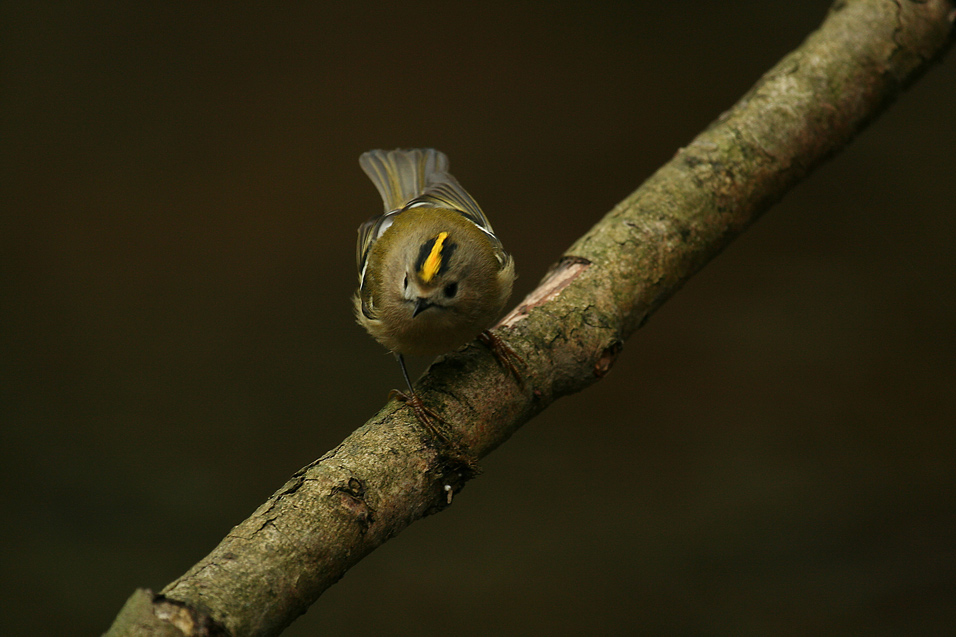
[433, 261]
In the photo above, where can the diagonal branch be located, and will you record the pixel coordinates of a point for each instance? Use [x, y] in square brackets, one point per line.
[391, 472]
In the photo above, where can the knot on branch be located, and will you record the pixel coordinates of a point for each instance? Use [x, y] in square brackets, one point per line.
[352, 500]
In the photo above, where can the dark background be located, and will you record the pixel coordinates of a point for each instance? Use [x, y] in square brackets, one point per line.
[772, 454]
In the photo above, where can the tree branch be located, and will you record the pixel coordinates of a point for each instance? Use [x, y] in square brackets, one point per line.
[569, 331]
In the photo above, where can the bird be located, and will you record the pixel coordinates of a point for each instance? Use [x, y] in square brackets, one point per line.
[433, 275]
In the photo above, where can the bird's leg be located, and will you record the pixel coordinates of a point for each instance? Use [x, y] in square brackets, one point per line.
[424, 415]
[506, 356]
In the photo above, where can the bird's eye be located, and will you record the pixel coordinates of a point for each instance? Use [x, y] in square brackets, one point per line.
[451, 289]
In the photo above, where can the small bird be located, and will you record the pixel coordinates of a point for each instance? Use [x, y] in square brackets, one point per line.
[432, 274]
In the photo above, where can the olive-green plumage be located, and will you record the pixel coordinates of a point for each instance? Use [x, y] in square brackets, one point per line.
[432, 274]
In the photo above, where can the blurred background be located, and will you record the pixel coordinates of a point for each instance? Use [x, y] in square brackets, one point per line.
[772, 454]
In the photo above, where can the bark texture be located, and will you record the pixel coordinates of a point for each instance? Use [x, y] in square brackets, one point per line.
[391, 471]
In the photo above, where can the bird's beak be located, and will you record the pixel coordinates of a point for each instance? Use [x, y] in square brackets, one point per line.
[420, 306]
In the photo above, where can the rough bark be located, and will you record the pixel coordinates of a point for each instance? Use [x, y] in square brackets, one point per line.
[391, 471]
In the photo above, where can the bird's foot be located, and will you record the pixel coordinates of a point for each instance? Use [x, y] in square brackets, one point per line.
[506, 356]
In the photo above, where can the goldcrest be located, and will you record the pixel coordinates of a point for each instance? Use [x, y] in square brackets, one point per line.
[432, 273]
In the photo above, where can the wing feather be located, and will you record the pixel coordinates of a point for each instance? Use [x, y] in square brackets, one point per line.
[415, 178]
